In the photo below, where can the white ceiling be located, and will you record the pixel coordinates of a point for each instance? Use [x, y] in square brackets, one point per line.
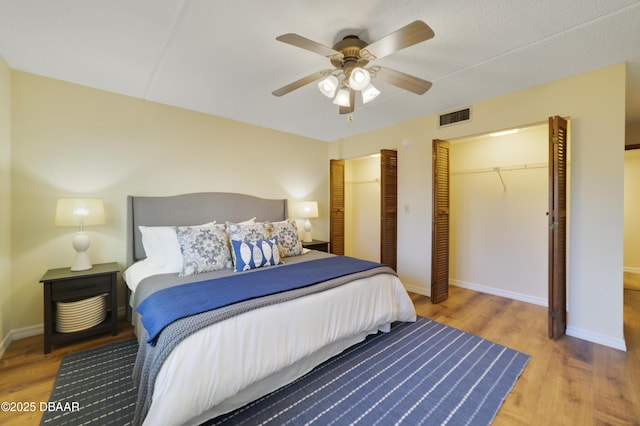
[221, 57]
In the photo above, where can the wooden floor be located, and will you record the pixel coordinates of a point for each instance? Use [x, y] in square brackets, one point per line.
[567, 382]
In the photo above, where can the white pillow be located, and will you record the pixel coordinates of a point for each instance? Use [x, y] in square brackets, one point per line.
[248, 221]
[139, 271]
[162, 248]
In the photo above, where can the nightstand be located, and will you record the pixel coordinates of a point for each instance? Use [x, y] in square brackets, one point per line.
[64, 285]
[317, 245]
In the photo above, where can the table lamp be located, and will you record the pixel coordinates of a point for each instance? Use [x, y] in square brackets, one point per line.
[307, 209]
[80, 212]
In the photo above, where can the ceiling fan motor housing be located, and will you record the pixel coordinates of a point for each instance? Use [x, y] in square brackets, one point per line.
[350, 47]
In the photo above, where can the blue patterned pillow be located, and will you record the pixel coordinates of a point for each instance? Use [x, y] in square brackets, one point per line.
[289, 242]
[204, 249]
[255, 254]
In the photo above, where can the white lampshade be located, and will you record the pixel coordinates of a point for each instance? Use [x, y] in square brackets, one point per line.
[369, 93]
[80, 212]
[308, 209]
[359, 78]
[342, 98]
[328, 86]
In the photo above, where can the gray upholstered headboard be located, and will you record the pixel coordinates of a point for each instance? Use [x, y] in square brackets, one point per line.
[194, 209]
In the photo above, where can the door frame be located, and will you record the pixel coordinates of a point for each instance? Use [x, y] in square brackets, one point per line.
[388, 207]
[557, 243]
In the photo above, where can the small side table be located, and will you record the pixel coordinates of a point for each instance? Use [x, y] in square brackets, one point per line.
[317, 245]
[65, 285]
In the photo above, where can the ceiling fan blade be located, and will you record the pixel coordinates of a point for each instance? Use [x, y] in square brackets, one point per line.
[302, 82]
[305, 43]
[411, 34]
[402, 80]
[352, 103]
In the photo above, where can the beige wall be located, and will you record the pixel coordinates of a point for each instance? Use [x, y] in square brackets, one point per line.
[70, 140]
[595, 102]
[632, 210]
[5, 203]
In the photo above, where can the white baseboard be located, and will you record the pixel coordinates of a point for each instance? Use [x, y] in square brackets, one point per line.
[600, 339]
[425, 291]
[502, 293]
[34, 330]
[20, 333]
[414, 288]
[632, 270]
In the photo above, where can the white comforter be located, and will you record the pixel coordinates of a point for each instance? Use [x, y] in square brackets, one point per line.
[224, 366]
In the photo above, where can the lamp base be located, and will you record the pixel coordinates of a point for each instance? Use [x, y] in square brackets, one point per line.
[306, 238]
[81, 262]
[81, 244]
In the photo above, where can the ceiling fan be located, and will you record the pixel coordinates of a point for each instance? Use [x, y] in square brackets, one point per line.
[350, 58]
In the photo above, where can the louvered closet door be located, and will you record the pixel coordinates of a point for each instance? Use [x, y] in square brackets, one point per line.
[336, 206]
[557, 226]
[388, 207]
[440, 223]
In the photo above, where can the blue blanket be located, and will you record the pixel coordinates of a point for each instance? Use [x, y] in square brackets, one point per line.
[168, 305]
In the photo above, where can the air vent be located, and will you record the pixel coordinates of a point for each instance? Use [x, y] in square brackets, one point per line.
[455, 117]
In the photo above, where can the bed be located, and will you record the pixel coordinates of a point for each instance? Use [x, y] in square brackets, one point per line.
[213, 338]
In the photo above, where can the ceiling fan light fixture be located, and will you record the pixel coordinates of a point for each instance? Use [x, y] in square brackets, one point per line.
[369, 93]
[342, 98]
[328, 86]
[359, 78]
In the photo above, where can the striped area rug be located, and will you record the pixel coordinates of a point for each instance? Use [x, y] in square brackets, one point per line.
[95, 387]
[419, 373]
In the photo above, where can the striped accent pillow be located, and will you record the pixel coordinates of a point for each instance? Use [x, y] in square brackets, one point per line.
[255, 254]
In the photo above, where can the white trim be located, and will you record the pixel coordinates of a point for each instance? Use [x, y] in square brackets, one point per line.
[18, 334]
[502, 293]
[598, 338]
[21, 333]
[632, 270]
[415, 288]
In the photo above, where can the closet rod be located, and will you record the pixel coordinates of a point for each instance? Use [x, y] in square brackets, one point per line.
[502, 169]
[363, 181]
